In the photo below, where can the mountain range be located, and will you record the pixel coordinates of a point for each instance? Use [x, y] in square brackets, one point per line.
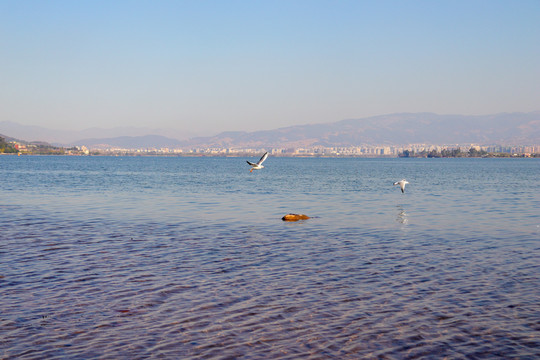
[391, 129]
[70, 137]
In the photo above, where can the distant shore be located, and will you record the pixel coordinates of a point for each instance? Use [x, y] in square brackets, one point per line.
[415, 156]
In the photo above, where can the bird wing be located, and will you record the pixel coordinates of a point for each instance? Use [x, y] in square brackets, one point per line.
[262, 158]
[250, 163]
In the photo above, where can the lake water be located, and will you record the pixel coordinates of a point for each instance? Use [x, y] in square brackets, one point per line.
[188, 258]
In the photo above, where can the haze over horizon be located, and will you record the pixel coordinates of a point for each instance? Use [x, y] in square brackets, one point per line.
[208, 67]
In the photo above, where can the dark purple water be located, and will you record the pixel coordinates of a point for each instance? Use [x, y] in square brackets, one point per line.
[187, 258]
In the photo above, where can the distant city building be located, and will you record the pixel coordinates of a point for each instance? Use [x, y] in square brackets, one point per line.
[332, 151]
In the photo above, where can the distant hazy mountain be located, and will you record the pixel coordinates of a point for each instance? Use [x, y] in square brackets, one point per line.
[66, 137]
[392, 129]
[9, 139]
[131, 142]
[507, 128]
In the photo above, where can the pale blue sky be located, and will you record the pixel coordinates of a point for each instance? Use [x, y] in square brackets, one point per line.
[252, 65]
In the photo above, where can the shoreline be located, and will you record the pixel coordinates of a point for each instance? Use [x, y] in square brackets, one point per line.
[489, 156]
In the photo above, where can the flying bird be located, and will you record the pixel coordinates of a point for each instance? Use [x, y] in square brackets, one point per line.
[258, 165]
[401, 184]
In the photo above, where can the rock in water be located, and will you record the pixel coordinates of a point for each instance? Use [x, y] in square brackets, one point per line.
[294, 217]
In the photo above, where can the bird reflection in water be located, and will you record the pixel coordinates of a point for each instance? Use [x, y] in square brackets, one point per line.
[402, 216]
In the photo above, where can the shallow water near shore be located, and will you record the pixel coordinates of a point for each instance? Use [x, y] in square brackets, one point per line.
[179, 257]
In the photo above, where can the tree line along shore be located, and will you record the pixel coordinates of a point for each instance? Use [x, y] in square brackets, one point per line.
[459, 153]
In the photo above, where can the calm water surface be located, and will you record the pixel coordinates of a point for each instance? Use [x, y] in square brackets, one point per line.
[187, 258]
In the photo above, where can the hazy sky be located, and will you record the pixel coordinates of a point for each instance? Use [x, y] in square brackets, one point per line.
[253, 65]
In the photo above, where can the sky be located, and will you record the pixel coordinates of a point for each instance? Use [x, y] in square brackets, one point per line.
[209, 66]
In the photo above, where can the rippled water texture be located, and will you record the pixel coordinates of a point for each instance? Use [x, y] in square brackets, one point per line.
[187, 258]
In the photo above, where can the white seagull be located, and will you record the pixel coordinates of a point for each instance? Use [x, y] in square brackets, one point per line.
[401, 184]
[258, 165]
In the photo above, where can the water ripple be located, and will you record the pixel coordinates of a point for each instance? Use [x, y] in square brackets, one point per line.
[162, 275]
